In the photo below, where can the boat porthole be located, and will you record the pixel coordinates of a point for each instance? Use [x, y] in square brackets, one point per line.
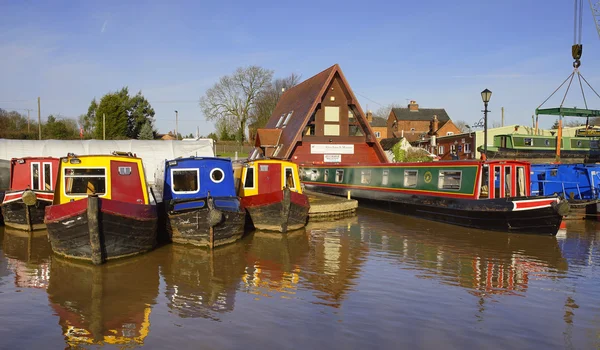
[217, 175]
[427, 177]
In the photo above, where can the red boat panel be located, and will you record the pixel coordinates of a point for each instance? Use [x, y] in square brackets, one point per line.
[62, 211]
[125, 183]
[269, 178]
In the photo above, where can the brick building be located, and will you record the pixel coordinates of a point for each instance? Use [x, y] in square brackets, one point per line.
[413, 122]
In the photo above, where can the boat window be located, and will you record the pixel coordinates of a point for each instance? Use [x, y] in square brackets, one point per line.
[264, 167]
[521, 181]
[84, 181]
[528, 141]
[249, 180]
[365, 177]
[385, 177]
[485, 188]
[579, 143]
[124, 170]
[35, 176]
[217, 175]
[289, 178]
[185, 180]
[326, 175]
[47, 176]
[314, 174]
[547, 142]
[507, 182]
[339, 175]
[497, 181]
[410, 178]
[449, 179]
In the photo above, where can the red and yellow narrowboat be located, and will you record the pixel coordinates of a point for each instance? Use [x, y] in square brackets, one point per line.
[101, 208]
[271, 193]
[32, 182]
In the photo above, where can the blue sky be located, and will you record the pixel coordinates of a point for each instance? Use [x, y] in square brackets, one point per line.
[439, 53]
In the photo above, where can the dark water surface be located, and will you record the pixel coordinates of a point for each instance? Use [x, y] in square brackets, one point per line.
[374, 281]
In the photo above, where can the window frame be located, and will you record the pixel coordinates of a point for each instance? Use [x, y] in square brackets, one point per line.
[416, 171]
[246, 177]
[385, 177]
[31, 179]
[365, 172]
[185, 169]
[65, 177]
[210, 175]
[285, 169]
[525, 140]
[440, 177]
[51, 176]
[339, 172]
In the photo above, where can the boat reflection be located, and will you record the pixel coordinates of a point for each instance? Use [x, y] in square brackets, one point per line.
[28, 257]
[336, 256]
[108, 304]
[202, 283]
[579, 245]
[483, 262]
[274, 262]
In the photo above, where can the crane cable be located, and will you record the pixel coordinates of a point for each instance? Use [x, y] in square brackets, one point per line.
[577, 48]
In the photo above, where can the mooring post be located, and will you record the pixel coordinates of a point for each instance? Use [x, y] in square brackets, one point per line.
[348, 195]
[94, 229]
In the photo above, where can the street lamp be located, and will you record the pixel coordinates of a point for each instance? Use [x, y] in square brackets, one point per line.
[485, 96]
[176, 125]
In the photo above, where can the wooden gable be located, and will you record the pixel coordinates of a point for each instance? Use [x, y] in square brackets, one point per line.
[323, 110]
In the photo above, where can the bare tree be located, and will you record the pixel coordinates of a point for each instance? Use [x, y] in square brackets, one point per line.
[384, 111]
[462, 125]
[233, 97]
[268, 98]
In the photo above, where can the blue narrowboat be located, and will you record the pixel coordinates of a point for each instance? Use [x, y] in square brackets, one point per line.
[578, 183]
[201, 204]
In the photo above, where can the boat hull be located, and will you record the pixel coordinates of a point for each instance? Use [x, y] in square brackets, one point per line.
[123, 229]
[278, 211]
[500, 214]
[205, 226]
[17, 214]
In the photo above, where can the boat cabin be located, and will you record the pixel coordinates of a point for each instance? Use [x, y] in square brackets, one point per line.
[266, 176]
[458, 179]
[34, 173]
[541, 142]
[197, 178]
[119, 177]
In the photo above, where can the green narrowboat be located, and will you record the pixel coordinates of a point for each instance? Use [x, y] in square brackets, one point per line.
[539, 146]
[491, 195]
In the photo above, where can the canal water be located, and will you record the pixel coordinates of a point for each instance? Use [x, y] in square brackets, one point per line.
[376, 281]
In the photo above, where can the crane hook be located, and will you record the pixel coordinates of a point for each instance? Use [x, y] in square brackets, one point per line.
[576, 51]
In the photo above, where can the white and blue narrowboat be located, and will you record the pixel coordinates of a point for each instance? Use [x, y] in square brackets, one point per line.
[201, 204]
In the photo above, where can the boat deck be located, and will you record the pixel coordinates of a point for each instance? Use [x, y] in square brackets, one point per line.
[325, 207]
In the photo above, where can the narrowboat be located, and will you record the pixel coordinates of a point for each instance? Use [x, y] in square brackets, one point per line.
[492, 195]
[271, 193]
[578, 183]
[31, 190]
[518, 146]
[201, 203]
[101, 210]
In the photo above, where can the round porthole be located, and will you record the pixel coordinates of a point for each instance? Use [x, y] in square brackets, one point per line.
[217, 175]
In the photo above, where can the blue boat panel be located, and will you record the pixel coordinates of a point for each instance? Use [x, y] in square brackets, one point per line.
[189, 205]
[577, 181]
[196, 177]
[227, 204]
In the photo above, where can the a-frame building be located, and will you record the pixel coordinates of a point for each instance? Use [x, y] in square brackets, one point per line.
[321, 121]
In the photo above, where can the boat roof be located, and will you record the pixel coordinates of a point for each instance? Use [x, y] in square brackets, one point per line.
[199, 158]
[417, 164]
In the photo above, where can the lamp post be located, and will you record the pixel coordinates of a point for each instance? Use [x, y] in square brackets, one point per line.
[176, 125]
[485, 96]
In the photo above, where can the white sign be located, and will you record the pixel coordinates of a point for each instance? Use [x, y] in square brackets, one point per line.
[332, 158]
[329, 148]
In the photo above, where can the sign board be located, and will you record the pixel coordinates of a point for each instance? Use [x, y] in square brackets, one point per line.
[332, 158]
[328, 148]
[587, 132]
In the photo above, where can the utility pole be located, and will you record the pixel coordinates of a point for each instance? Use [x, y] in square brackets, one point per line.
[176, 125]
[103, 126]
[502, 116]
[39, 120]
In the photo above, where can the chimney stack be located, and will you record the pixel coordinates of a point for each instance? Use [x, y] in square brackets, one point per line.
[413, 106]
[369, 117]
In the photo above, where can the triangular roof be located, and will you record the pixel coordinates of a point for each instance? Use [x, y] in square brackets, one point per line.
[267, 137]
[302, 100]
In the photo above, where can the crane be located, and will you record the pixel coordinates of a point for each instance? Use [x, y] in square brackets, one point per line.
[596, 13]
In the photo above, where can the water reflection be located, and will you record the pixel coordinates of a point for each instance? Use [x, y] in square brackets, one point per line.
[202, 283]
[274, 262]
[107, 304]
[28, 257]
[336, 256]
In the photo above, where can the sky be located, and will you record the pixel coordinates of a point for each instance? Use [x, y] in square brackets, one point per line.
[441, 54]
